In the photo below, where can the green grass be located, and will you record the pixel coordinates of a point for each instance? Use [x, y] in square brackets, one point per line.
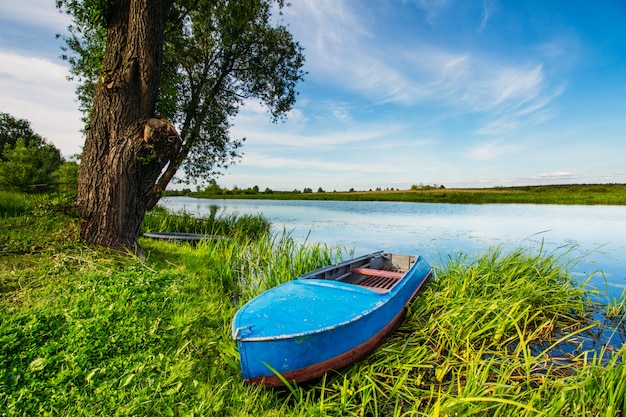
[89, 332]
[14, 204]
[31, 224]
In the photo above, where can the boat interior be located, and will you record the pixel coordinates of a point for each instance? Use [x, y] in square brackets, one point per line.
[379, 272]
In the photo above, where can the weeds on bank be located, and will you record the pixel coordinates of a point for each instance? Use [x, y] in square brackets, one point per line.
[85, 331]
[14, 204]
[234, 225]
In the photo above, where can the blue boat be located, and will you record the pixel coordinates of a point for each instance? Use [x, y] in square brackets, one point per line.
[325, 319]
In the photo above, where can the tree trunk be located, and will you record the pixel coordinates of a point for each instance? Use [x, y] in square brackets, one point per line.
[126, 148]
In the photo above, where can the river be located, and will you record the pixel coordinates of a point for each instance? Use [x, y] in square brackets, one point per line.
[595, 234]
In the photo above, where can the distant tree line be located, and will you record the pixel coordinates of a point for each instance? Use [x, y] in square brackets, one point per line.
[213, 189]
[416, 187]
[28, 162]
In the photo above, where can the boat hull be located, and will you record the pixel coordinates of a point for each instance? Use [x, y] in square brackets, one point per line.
[341, 360]
[307, 327]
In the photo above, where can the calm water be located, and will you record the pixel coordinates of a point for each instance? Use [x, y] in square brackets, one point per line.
[597, 233]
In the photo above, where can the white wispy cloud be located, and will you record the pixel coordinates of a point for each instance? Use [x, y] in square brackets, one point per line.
[362, 166]
[489, 150]
[269, 161]
[342, 48]
[497, 127]
[299, 138]
[512, 86]
[37, 90]
[36, 13]
[560, 175]
[342, 113]
[490, 8]
[432, 8]
[330, 125]
[531, 109]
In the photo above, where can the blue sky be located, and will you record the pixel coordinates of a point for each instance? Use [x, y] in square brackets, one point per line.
[458, 93]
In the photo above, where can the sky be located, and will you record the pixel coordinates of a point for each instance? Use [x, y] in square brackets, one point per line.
[460, 93]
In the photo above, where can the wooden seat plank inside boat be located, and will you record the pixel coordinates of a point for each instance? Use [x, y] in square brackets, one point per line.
[376, 279]
[378, 273]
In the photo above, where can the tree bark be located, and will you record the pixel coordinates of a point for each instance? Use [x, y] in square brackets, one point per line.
[126, 148]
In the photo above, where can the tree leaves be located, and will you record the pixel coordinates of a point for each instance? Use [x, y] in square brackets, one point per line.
[217, 55]
[25, 157]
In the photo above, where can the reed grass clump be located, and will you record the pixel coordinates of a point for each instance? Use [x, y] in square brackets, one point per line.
[500, 334]
[234, 225]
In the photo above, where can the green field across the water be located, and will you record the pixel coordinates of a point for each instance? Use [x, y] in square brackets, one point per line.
[584, 194]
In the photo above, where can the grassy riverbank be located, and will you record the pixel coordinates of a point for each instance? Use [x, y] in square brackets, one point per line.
[585, 194]
[89, 332]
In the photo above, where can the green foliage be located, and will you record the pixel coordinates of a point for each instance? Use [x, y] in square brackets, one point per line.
[87, 332]
[25, 157]
[217, 55]
[67, 174]
[12, 130]
[22, 166]
[214, 190]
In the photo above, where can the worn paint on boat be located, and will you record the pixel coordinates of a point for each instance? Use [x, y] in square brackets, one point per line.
[326, 319]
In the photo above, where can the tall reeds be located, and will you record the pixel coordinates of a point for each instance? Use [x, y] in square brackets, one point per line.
[234, 224]
[496, 335]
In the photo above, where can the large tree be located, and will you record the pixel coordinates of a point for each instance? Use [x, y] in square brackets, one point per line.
[184, 63]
